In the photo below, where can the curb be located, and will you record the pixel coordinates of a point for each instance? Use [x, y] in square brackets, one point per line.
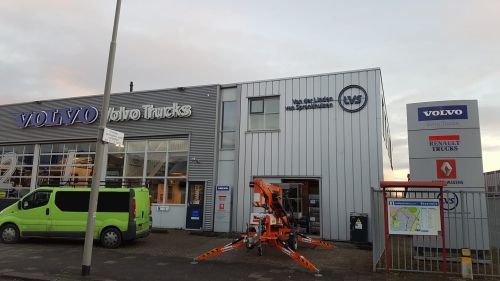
[35, 277]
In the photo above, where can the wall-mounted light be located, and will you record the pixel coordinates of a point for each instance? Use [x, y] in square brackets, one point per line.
[194, 160]
[181, 88]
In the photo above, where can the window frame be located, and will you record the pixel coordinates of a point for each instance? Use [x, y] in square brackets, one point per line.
[233, 131]
[263, 113]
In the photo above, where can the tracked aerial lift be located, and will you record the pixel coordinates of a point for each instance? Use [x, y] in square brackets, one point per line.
[273, 226]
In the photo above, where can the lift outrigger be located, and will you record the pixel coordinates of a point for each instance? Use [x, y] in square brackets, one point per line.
[273, 227]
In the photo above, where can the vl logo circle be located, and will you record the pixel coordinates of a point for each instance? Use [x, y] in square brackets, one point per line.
[353, 98]
[450, 201]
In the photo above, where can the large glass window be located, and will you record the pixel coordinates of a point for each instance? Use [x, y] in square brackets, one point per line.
[228, 132]
[159, 165]
[16, 170]
[264, 113]
[66, 164]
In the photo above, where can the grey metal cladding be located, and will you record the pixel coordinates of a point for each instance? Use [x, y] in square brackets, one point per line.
[200, 125]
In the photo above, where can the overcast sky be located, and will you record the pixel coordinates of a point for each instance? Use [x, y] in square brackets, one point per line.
[427, 50]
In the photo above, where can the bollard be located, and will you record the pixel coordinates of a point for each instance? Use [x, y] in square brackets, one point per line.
[466, 264]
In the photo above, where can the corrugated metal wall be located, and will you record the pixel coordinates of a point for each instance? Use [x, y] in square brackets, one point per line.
[201, 126]
[340, 148]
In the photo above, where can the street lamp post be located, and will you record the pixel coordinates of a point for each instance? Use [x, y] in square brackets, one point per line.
[96, 176]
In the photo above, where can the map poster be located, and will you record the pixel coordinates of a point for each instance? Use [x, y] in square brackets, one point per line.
[413, 216]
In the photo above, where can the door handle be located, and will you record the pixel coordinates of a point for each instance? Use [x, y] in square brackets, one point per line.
[47, 211]
[143, 214]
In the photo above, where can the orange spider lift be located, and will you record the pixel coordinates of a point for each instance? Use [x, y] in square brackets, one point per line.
[273, 226]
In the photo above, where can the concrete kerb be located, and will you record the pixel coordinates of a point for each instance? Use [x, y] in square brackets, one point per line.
[36, 277]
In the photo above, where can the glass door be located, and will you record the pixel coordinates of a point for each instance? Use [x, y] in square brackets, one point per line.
[196, 198]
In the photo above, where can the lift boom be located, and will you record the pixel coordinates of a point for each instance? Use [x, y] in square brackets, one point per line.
[273, 227]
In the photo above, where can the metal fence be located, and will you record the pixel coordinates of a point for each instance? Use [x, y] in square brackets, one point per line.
[471, 220]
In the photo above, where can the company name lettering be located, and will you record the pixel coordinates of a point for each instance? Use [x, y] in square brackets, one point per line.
[444, 143]
[324, 102]
[149, 112]
[443, 113]
[56, 117]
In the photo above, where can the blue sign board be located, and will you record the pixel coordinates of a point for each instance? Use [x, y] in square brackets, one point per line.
[447, 112]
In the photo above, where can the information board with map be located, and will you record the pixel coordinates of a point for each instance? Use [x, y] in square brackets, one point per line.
[413, 216]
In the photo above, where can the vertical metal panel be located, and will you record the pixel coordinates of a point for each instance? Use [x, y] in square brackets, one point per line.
[341, 162]
[250, 92]
[269, 88]
[309, 157]
[237, 217]
[333, 153]
[267, 160]
[381, 145]
[348, 165]
[302, 145]
[275, 138]
[296, 133]
[317, 129]
[249, 157]
[357, 188]
[373, 127]
[324, 137]
[254, 152]
[364, 174]
[284, 116]
[262, 88]
[289, 156]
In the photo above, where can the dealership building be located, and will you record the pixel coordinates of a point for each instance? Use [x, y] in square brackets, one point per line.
[326, 135]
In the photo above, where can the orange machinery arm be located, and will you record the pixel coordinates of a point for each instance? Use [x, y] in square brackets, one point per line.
[272, 196]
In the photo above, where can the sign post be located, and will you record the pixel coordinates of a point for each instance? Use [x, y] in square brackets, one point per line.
[96, 176]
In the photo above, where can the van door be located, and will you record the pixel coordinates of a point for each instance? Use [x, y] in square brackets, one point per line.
[34, 215]
[68, 216]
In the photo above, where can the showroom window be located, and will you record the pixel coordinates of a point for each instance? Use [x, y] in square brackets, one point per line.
[228, 134]
[66, 164]
[159, 165]
[264, 113]
[16, 169]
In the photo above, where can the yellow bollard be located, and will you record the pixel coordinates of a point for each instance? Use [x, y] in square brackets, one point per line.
[466, 264]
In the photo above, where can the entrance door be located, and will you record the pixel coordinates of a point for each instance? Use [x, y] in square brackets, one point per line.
[196, 198]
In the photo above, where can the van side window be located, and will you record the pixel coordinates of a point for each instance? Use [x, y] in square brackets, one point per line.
[36, 199]
[78, 201]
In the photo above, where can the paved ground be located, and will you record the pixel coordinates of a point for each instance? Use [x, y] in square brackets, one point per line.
[167, 256]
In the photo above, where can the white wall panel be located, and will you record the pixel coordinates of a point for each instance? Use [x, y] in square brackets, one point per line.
[285, 131]
[296, 126]
[317, 129]
[333, 154]
[309, 144]
[254, 154]
[326, 215]
[275, 138]
[364, 173]
[302, 145]
[357, 192]
[267, 159]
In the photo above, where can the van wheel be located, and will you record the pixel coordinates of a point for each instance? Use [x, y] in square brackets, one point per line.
[9, 234]
[111, 238]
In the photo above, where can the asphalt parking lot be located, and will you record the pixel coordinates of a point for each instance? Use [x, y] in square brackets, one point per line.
[168, 256]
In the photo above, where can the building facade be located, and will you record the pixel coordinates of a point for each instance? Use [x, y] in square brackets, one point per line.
[328, 134]
[169, 147]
